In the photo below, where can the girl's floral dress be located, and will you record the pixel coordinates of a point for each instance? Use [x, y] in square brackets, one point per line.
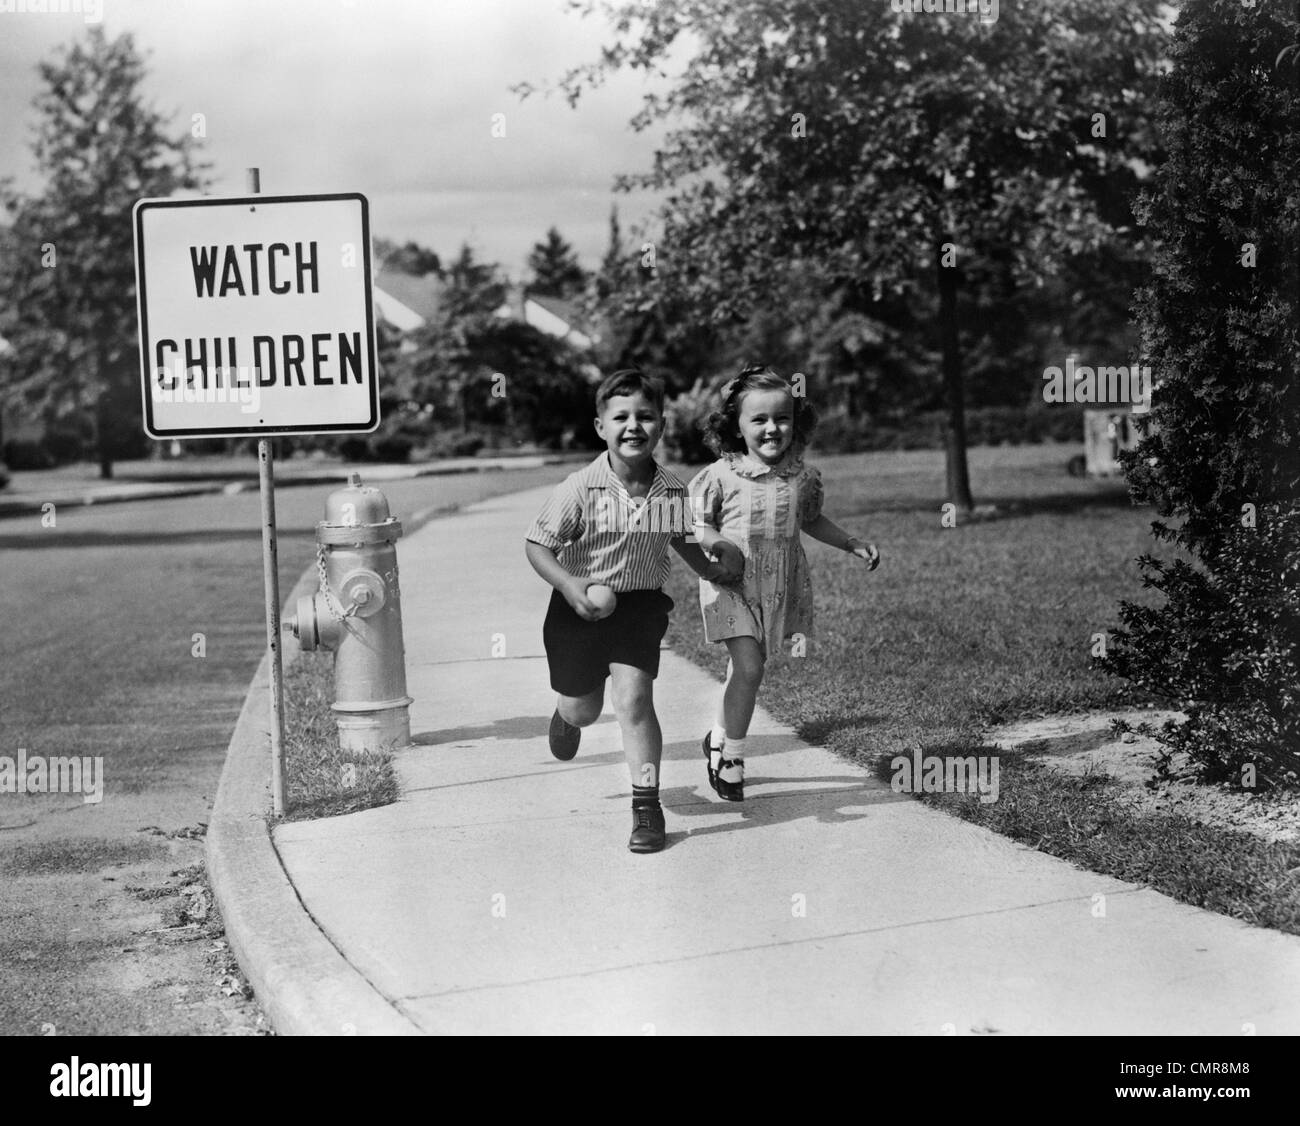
[761, 508]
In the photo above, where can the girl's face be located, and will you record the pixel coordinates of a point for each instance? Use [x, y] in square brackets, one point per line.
[767, 423]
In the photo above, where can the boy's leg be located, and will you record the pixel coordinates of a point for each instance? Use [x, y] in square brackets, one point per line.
[643, 741]
[574, 660]
[643, 744]
[572, 714]
[581, 711]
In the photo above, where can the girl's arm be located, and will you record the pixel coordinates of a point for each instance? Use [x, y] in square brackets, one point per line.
[829, 532]
[704, 505]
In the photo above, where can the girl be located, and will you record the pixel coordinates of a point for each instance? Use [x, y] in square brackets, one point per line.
[759, 495]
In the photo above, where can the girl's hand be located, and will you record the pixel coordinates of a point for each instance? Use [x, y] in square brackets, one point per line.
[866, 551]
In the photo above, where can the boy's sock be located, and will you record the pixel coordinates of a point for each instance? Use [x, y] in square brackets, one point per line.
[644, 797]
[735, 753]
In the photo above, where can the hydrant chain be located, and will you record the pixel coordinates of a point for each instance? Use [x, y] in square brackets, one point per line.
[330, 600]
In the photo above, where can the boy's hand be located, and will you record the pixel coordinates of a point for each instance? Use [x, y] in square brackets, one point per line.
[575, 594]
[716, 575]
[729, 563]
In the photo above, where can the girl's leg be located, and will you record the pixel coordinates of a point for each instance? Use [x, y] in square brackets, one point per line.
[727, 760]
[744, 675]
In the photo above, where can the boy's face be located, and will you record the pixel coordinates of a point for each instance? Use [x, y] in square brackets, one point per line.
[631, 427]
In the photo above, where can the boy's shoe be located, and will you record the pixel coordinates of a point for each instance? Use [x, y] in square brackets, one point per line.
[564, 738]
[647, 829]
[727, 790]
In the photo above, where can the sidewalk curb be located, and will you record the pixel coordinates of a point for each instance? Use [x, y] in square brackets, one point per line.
[20, 506]
[302, 982]
[23, 505]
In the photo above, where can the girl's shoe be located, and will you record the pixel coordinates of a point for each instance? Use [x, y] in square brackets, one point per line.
[708, 761]
[732, 789]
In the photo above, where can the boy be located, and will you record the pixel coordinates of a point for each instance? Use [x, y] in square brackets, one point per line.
[611, 523]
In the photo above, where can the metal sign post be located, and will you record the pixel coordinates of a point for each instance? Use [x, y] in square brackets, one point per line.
[271, 585]
[256, 319]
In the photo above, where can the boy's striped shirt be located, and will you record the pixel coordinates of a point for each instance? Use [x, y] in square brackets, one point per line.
[599, 532]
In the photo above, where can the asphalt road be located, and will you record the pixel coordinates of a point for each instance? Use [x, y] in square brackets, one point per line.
[105, 926]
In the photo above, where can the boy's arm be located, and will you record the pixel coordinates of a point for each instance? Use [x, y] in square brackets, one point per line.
[573, 589]
[729, 556]
[693, 556]
[706, 537]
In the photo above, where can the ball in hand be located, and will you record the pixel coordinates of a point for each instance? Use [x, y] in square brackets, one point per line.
[602, 598]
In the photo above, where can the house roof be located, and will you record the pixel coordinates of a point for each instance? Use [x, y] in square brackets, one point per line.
[421, 294]
[567, 310]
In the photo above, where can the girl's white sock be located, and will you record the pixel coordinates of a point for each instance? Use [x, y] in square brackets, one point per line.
[735, 753]
[718, 737]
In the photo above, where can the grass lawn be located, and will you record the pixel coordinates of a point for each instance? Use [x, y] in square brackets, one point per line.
[961, 628]
[320, 780]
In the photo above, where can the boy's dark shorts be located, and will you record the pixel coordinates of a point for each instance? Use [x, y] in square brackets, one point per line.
[579, 653]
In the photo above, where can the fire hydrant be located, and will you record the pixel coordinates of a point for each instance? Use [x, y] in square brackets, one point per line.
[357, 612]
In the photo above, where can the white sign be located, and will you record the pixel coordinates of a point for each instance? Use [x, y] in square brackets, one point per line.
[256, 316]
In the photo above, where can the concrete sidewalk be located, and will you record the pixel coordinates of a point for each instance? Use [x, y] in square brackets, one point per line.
[498, 895]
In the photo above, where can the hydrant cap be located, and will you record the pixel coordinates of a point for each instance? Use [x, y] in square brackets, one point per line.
[356, 504]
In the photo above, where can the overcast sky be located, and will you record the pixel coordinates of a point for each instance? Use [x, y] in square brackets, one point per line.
[392, 98]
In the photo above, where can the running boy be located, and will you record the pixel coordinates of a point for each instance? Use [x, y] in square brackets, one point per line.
[611, 523]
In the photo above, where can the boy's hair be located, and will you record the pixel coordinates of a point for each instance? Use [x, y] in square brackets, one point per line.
[722, 428]
[630, 381]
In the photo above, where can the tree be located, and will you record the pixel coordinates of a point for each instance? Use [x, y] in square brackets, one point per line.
[555, 268]
[410, 258]
[444, 365]
[474, 288]
[67, 291]
[481, 368]
[615, 268]
[904, 154]
[1220, 455]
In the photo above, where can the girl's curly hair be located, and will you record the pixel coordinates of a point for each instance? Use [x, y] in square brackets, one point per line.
[722, 428]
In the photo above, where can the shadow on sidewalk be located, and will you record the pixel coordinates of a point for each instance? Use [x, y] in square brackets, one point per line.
[516, 727]
[830, 799]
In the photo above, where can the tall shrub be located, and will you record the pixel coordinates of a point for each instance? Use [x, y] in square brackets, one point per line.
[1221, 457]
